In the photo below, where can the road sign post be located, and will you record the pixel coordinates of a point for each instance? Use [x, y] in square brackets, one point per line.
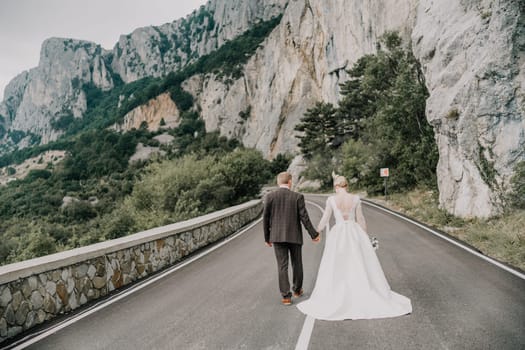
[384, 172]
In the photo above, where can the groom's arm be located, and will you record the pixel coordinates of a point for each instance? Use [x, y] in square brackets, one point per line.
[305, 219]
[267, 219]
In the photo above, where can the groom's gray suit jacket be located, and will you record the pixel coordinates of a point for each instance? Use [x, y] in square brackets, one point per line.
[284, 210]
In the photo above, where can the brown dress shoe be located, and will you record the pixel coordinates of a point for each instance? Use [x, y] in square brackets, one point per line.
[299, 293]
[286, 301]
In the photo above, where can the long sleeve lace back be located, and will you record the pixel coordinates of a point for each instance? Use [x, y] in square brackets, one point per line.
[345, 207]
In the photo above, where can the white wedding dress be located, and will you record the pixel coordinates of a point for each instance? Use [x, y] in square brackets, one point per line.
[350, 282]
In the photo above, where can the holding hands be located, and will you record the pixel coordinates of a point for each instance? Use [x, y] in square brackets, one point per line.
[317, 239]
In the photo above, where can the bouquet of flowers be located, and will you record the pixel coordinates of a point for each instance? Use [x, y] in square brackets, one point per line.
[375, 242]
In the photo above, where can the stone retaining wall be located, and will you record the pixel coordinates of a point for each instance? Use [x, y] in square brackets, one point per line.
[37, 290]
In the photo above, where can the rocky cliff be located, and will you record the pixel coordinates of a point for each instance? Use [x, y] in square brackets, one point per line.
[156, 113]
[302, 61]
[472, 54]
[156, 51]
[34, 99]
[54, 89]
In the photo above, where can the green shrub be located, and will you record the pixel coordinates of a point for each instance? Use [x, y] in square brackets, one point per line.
[517, 195]
[320, 168]
[244, 115]
[486, 167]
[280, 163]
[244, 170]
[79, 211]
[7, 247]
[453, 114]
[121, 224]
[63, 122]
[360, 164]
[37, 174]
[37, 244]
[183, 188]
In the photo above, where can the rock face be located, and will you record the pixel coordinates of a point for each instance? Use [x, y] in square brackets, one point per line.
[301, 62]
[472, 54]
[20, 171]
[158, 112]
[53, 89]
[143, 153]
[14, 93]
[156, 51]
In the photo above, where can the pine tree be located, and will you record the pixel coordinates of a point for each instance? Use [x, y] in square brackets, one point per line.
[319, 130]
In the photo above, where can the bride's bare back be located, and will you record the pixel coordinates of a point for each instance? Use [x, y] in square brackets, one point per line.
[346, 203]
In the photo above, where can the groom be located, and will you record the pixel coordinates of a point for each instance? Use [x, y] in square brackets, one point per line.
[284, 210]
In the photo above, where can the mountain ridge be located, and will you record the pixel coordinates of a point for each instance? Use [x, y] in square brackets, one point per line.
[474, 105]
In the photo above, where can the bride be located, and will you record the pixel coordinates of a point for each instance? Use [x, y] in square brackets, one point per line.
[350, 282]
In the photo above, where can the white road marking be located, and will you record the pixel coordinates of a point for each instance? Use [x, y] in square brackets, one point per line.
[306, 333]
[468, 249]
[25, 343]
[308, 325]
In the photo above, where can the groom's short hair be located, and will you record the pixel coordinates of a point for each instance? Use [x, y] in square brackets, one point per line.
[283, 178]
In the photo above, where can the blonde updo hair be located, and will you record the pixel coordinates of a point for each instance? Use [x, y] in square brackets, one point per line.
[340, 181]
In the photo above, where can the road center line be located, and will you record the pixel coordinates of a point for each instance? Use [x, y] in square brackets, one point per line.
[306, 333]
[308, 325]
[24, 343]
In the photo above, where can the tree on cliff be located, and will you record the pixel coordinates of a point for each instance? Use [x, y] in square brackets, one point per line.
[319, 130]
[384, 103]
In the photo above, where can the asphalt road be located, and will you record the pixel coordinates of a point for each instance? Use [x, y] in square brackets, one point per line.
[229, 299]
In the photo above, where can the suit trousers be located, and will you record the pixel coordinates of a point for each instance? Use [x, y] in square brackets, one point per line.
[284, 250]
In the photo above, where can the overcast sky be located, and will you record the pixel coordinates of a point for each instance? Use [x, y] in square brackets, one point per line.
[25, 24]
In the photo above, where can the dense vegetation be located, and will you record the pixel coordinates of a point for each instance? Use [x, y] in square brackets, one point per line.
[97, 194]
[380, 122]
[112, 198]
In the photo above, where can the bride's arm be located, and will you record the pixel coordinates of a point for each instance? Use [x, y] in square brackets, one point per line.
[360, 218]
[326, 216]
